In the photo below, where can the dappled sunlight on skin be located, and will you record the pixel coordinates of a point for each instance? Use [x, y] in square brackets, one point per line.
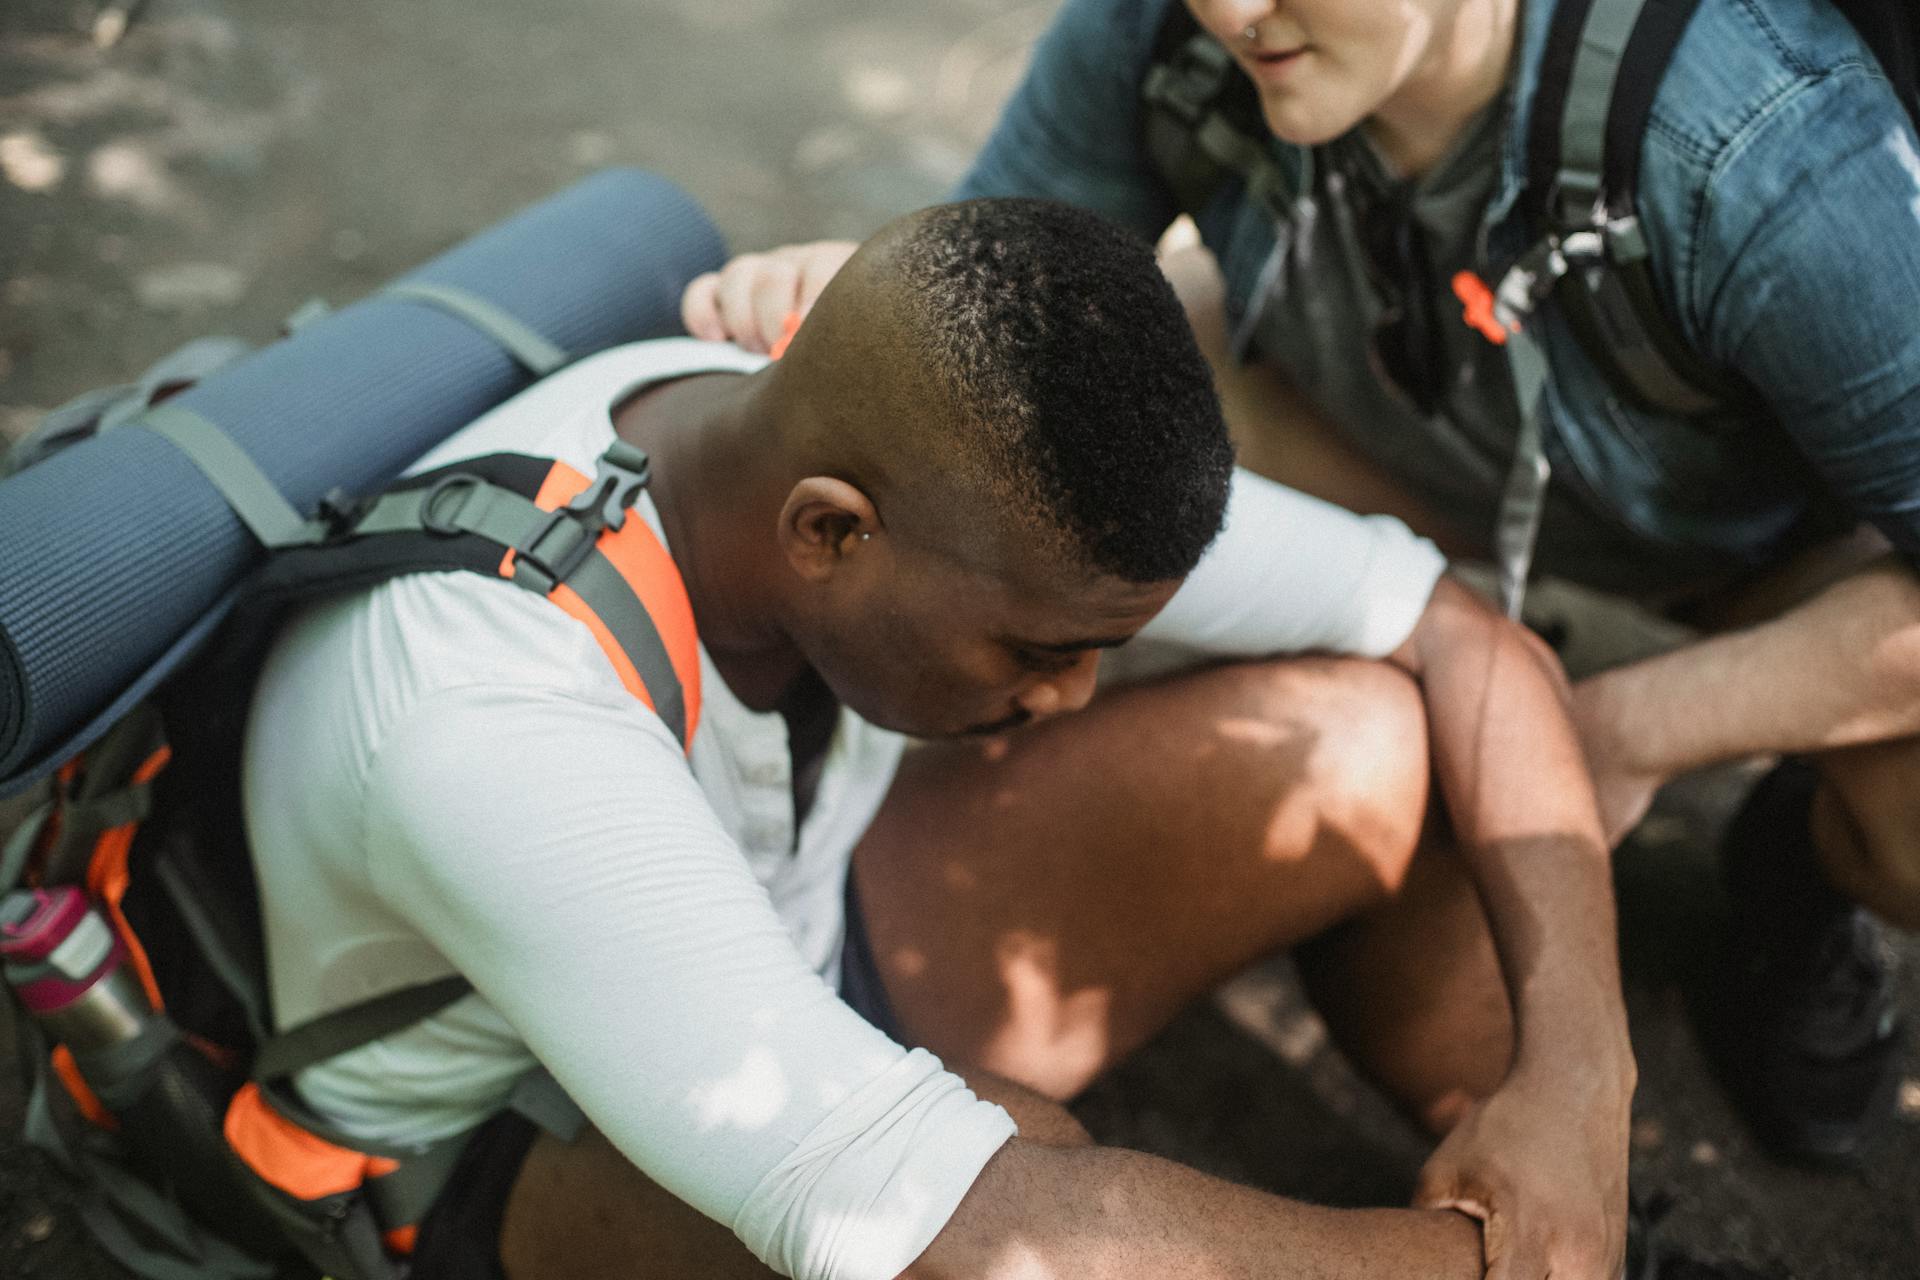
[960, 876]
[1062, 899]
[995, 748]
[907, 962]
[1256, 732]
[1018, 1260]
[1068, 1030]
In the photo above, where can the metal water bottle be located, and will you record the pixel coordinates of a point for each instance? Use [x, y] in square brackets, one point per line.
[69, 969]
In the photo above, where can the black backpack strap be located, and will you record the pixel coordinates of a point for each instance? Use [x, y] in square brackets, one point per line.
[335, 1033]
[1202, 123]
[481, 516]
[1601, 70]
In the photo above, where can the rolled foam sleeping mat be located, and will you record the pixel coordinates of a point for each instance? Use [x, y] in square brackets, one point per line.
[118, 556]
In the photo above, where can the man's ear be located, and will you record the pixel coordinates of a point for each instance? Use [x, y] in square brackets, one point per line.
[824, 521]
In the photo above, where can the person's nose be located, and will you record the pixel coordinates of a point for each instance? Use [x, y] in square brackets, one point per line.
[1231, 16]
[1069, 690]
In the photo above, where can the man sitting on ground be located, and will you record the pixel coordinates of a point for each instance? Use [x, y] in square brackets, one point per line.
[992, 453]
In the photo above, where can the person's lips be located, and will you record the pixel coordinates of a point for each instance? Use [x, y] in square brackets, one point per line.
[1269, 63]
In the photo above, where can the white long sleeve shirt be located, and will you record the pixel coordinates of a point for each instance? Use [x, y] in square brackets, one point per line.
[444, 774]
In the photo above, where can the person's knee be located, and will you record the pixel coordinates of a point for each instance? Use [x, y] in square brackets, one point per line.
[1867, 831]
[1365, 768]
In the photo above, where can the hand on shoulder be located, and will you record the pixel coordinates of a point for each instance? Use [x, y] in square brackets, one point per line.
[748, 301]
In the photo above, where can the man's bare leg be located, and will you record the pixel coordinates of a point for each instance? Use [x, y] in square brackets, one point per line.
[1044, 903]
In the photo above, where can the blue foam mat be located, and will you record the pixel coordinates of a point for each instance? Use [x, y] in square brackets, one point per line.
[115, 549]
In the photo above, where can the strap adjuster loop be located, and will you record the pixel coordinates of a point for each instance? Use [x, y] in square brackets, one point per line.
[439, 512]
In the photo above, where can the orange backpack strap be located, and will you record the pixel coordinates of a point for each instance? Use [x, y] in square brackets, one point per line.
[545, 527]
[629, 593]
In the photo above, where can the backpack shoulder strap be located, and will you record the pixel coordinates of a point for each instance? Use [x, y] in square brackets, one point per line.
[1600, 72]
[1202, 123]
[539, 524]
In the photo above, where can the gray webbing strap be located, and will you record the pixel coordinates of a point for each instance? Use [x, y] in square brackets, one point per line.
[1583, 122]
[1525, 494]
[1181, 117]
[19, 845]
[407, 1194]
[607, 594]
[508, 519]
[203, 1255]
[533, 352]
[539, 1097]
[469, 506]
[357, 1024]
[260, 506]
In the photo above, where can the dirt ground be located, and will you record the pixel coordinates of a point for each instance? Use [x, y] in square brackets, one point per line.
[226, 161]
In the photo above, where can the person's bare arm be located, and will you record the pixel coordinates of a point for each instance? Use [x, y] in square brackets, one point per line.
[1543, 1161]
[1839, 670]
[1099, 1213]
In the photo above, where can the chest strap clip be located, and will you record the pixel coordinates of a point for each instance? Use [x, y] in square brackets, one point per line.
[559, 544]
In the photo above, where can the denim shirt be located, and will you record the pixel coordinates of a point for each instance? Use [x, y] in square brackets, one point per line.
[1780, 195]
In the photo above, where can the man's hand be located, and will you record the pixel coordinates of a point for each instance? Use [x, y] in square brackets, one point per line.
[1543, 1166]
[748, 300]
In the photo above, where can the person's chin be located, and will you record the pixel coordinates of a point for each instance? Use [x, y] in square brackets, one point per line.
[1301, 128]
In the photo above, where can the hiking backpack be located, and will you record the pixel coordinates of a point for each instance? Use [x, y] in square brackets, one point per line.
[197, 1158]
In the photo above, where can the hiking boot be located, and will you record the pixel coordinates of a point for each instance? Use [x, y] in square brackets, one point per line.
[1796, 1013]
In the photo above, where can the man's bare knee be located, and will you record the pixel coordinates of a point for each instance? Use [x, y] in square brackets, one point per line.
[1366, 769]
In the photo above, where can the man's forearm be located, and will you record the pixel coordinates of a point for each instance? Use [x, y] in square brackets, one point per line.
[1840, 670]
[1098, 1213]
[1511, 770]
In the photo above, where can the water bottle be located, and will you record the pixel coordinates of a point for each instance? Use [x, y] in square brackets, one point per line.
[69, 969]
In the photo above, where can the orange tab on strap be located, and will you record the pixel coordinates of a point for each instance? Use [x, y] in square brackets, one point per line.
[1477, 298]
[91, 1108]
[298, 1162]
[788, 327]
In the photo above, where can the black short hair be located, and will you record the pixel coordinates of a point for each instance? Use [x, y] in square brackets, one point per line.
[1086, 403]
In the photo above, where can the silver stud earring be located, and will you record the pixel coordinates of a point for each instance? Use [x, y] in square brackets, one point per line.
[1251, 34]
[866, 537]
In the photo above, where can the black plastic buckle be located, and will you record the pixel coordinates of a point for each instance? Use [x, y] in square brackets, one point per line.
[621, 474]
[564, 540]
[339, 511]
